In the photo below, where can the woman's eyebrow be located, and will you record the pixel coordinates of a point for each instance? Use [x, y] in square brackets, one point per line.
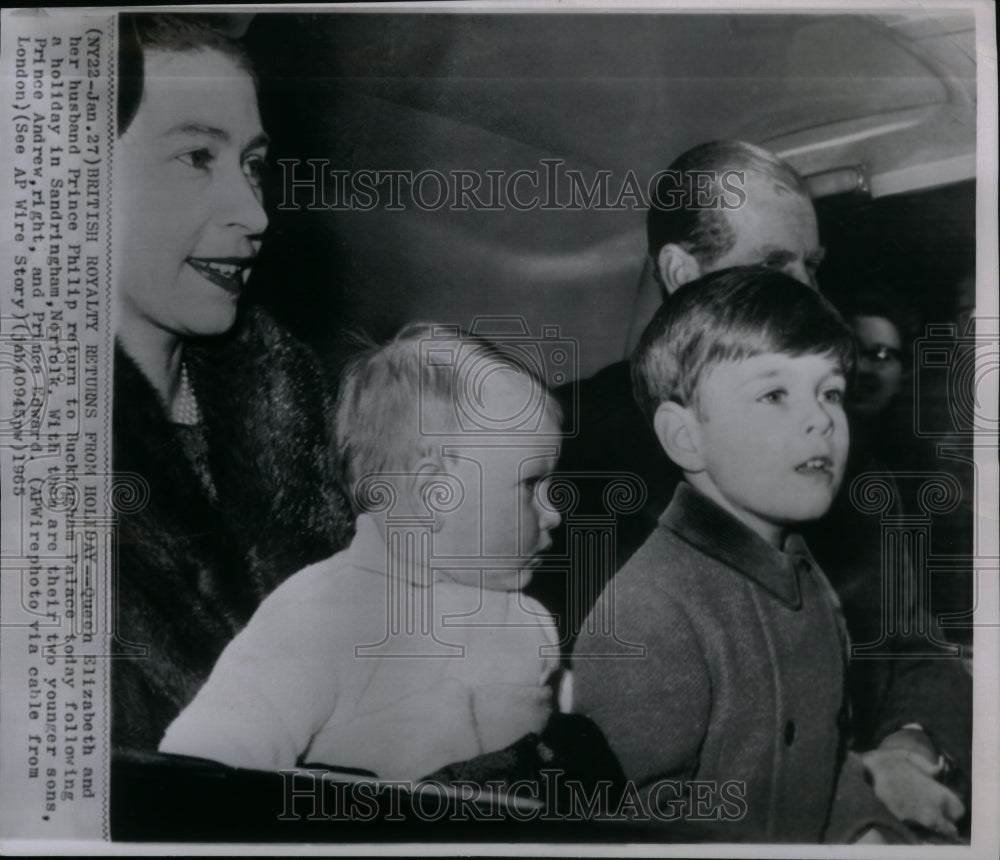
[259, 141]
[197, 129]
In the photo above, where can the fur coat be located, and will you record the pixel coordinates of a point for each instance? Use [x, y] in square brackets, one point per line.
[191, 571]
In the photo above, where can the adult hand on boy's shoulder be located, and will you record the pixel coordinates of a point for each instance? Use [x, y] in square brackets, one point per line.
[905, 781]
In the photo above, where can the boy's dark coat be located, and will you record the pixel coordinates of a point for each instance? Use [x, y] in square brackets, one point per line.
[887, 693]
[741, 679]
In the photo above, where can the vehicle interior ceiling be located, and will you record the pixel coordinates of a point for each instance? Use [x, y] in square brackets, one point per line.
[877, 111]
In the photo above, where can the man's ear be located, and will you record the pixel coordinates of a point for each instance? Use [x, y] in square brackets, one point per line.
[676, 267]
[426, 470]
[677, 428]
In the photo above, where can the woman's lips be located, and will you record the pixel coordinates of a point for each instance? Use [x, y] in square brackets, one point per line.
[225, 272]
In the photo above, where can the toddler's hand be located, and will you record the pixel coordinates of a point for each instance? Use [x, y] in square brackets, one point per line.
[905, 782]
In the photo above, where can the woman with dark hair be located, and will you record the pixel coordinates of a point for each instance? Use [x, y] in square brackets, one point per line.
[220, 411]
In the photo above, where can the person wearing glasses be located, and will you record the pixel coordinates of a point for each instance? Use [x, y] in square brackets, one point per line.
[883, 327]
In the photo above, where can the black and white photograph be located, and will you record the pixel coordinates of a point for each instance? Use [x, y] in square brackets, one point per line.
[458, 427]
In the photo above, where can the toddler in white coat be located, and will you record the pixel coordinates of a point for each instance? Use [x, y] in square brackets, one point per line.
[414, 647]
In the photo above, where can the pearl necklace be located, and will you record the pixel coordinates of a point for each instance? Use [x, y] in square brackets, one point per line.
[185, 409]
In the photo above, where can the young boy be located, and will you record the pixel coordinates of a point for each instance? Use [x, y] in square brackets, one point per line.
[741, 686]
[414, 647]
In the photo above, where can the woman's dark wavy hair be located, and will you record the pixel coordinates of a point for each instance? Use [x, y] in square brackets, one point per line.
[732, 315]
[139, 33]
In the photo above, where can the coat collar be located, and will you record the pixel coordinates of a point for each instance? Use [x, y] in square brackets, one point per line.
[706, 526]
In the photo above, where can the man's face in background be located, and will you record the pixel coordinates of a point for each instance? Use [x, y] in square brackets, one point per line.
[775, 227]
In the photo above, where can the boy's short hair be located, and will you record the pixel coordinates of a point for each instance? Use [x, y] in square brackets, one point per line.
[395, 400]
[732, 315]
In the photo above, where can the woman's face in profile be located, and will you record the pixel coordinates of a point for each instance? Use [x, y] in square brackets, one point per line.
[189, 196]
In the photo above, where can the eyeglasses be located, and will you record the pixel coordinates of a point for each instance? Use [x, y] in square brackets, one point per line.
[881, 353]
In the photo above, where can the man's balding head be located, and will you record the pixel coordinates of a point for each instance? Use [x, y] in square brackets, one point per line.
[770, 221]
